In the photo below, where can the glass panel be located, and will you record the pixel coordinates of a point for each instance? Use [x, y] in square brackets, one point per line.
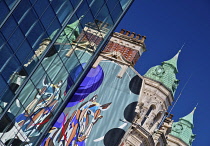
[11, 3]
[10, 68]
[115, 11]
[96, 6]
[13, 132]
[5, 54]
[75, 2]
[103, 13]
[41, 6]
[9, 27]
[21, 10]
[23, 52]
[48, 18]
[3, 11]
[3, 85]
[62, 8]
[16, 39]
[69, 34]
[124, 3]
[55, 24]
[28, 21]
[6, 126]
[83, 9]
[34, 33]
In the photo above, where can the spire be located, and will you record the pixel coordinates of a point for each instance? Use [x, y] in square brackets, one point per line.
[70, 32]
[173, 61]
[183, 128]
[165, 73]
[189, 118]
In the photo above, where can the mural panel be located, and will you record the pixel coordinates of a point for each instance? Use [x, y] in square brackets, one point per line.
[100, 111]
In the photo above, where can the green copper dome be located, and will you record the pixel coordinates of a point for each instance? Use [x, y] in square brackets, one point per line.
[183, 128]
[70, 32]
[165, 73]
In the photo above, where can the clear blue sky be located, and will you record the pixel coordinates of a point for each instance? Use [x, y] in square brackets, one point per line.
[168, 24]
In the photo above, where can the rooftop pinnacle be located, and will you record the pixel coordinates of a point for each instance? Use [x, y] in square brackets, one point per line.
[173, 61]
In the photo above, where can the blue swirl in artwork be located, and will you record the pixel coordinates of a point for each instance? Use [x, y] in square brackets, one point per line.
[90, 83]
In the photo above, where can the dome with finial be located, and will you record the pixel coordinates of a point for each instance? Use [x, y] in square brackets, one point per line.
[183, 128]
[165, 73]
[70, 32]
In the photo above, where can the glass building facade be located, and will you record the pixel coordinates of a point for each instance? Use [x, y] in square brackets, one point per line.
[46, 49]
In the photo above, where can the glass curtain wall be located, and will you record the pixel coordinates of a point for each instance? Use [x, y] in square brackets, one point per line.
[41, 44]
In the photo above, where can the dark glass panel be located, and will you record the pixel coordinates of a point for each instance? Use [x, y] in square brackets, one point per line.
[34, 34]
[41, 6]
[11, 3]
[3, 10]
[5, 54]
[62, 8]
[21, 10]
[55, 24]
[3, 85]
[9, 27]
[116, 11]
[16, 39]
[10, 67]
[96, 6]
[28, 21]
[48, 17]
[23, 52]
[75, 2]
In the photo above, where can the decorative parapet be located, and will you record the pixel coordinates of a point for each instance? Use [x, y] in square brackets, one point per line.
[131, 46]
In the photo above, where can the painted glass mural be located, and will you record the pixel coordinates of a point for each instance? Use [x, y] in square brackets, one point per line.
[100, 111]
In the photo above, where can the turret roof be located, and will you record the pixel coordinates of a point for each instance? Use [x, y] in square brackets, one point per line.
[173, 61]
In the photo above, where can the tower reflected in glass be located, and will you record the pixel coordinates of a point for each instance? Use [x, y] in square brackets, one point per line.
[43, 45]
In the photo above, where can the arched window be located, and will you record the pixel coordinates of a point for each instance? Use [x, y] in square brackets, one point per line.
[152, 107]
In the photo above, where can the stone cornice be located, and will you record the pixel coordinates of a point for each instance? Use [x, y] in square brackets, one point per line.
[176, 140]
[144, 133]
[161, 87]
[129, 39]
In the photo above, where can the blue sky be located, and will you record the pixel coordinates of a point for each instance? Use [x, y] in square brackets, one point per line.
[168, 25]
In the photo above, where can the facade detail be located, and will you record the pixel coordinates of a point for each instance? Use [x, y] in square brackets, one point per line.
[152, 126]
[182, 130]
[47, 48]
[67, 80]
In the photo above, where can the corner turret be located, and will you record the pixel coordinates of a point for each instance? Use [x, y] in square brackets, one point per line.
[183, 129]
[165, 73]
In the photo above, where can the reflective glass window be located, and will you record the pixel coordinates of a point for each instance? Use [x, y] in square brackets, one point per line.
[48, 17]
[34, 34]
[103, 13]
[75, 2]
[23, 52]
[40, 7]
[3, 11]
[27, 21]
[9, 27]
[11, 3]
[124, 3]
[83, 9]
[10, 67]
[3, 85]
[16, 39]
[95, 6]
[115, 10]
[5, 54]
[21, 10]
[55, 24]
[62, 8]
